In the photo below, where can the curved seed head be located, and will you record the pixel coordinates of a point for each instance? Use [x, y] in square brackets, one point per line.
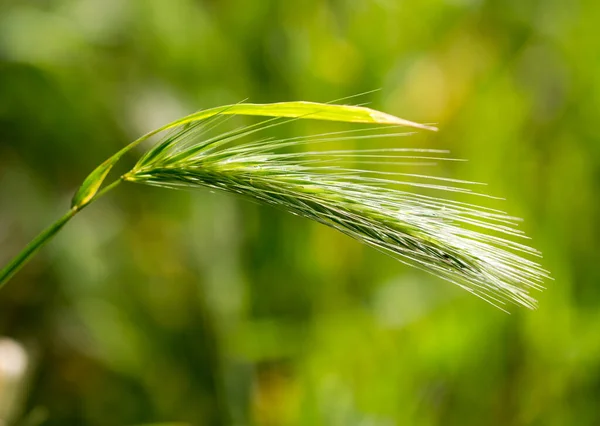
[470, 246]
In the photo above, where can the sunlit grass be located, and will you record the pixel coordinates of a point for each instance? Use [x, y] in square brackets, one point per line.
[364, 193]
[380, 208]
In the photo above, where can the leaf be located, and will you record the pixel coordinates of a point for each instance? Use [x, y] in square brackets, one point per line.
[308, 110]
[304, 110]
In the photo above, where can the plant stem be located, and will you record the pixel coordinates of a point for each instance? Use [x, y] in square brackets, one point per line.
[38, 242]
[105, 190]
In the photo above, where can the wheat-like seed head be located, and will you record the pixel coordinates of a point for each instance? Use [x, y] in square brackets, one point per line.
[456, 241]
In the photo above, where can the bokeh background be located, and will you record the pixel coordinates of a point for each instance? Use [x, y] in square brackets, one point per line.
[158, 306]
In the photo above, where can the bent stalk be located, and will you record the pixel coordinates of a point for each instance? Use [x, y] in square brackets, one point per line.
[44, 237]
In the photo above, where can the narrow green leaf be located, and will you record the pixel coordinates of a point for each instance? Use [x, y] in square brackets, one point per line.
[307, 110]
[304, 110]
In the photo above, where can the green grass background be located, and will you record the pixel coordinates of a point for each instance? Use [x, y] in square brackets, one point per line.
[161, 306]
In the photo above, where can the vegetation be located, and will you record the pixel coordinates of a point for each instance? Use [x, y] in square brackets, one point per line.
[419, 230]
[198, 306]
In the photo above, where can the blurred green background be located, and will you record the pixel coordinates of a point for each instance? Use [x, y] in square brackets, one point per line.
[161, 306]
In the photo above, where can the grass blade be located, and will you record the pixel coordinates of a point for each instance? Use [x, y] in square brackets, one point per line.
[305, 110]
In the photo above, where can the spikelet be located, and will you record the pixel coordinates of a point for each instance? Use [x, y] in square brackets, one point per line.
[470, 246]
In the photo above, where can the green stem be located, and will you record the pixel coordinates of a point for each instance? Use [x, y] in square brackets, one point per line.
[105, 190]
[42, 239]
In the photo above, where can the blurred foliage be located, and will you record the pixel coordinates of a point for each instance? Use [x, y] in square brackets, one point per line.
[164, 306]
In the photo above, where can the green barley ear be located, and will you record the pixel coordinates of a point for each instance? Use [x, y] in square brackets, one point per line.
[456, 241]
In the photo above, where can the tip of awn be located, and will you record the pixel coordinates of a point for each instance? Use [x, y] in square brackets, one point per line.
[391, 119]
